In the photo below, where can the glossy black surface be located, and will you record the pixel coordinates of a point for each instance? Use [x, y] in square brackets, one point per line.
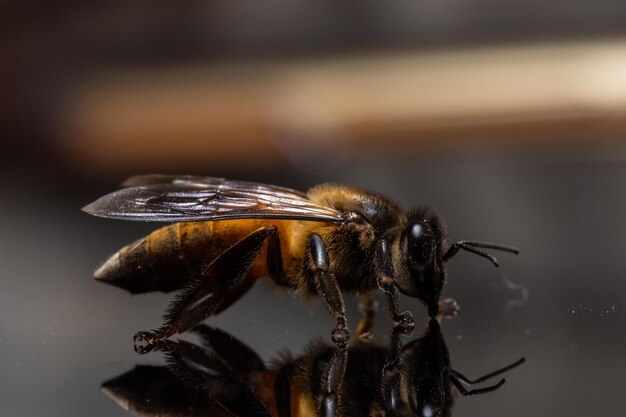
[560, 303]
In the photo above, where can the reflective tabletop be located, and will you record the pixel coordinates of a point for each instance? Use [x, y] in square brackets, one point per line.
[66, 341]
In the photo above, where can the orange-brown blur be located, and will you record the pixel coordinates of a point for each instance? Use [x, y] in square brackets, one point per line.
[113, 89]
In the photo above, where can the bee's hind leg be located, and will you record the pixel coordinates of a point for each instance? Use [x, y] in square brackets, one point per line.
[220, 283]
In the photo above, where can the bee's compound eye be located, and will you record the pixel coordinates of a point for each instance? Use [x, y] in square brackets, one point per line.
[416, 231]
[420, 242]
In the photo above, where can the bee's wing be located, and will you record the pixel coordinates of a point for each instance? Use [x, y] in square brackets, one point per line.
[222, 183]
[188, 198]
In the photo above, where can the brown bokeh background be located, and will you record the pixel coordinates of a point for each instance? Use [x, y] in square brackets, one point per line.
[508, 117]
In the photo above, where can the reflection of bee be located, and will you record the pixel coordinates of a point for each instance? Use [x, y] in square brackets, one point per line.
[228, 233]
[227, 378]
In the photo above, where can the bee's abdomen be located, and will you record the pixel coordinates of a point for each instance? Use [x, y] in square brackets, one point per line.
[165, 260]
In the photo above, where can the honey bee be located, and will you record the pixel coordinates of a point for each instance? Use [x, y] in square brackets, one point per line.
[224, 377]
[228, 233]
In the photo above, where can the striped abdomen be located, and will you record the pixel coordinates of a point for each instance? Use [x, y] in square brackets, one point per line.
[169, 257]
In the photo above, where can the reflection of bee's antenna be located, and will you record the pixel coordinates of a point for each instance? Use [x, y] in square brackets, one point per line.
[470, 246]
[460, 381]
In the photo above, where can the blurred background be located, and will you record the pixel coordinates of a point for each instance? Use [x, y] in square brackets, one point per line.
[508, 117]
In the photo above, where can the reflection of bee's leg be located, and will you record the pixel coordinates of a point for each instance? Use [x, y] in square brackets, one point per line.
[220, 283]
[384, 275]
[391, 374]
[331, 383]
[239, 357]
[206, 371]
[326, 286]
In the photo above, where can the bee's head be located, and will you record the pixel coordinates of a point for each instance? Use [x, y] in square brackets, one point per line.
[421, 266]
[422, 253]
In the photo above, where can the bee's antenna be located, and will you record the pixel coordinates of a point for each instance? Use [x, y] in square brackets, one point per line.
[470, 246]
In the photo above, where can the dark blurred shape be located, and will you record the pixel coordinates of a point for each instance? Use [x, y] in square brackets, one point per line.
[392, 380]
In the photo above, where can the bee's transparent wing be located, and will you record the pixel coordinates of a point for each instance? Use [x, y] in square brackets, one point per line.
[153, 179]
[187, 198]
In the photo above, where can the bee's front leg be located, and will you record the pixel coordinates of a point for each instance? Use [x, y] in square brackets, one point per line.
[448, 308]
[383, 267]
[324, 282]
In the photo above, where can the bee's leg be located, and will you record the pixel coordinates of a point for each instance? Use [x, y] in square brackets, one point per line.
[219, 283]
[367, 306]
[329, 396]
[324, 282]
[448, 308]
[384, 275]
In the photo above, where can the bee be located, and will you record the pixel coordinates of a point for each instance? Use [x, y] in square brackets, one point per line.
[227, 233]
[224, 377]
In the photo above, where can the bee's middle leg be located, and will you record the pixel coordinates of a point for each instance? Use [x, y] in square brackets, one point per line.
[325, 283]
